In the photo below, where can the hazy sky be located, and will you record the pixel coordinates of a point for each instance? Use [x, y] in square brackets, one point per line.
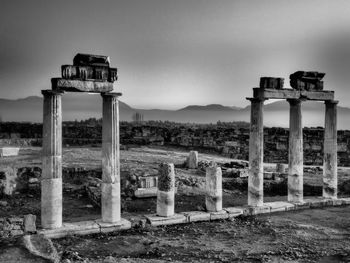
[171, 53]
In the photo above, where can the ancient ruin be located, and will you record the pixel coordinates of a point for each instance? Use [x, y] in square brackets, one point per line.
[89, 73]
[306, 86]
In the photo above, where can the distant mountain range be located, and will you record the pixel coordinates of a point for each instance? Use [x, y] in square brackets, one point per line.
[85, 106]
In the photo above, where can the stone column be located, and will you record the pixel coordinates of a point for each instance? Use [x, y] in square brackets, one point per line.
[330, 173]
[256, 142]
[51, 179]
[295, 167]
[213, 182]
[193, 160]
[166, 190]
[110, 187]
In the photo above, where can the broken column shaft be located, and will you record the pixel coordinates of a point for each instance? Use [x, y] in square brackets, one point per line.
[330, 173]
[295, 167]
[166, 190]
[193, 160]
[51, 181]
[256, 175]
[110, 187]
[213, 181]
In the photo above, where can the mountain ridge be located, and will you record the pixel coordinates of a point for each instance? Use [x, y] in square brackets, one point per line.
[84, 106]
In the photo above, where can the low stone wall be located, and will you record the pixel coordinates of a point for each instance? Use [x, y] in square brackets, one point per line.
[17, 226]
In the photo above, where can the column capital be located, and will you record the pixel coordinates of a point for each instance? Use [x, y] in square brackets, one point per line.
[256, 99]
[295, 101]
[111, 94]
[331, 102]
[48, 92]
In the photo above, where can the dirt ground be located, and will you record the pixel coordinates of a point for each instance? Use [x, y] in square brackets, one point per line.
[317, 235]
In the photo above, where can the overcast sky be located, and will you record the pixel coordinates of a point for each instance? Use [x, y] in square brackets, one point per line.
[172, 53]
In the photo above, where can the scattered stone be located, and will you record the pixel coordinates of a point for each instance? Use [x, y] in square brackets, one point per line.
[41, 246]
[193, 160]
[3, 203]
[29, 223]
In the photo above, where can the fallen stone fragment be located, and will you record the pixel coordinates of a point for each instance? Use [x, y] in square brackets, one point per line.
[41, 246]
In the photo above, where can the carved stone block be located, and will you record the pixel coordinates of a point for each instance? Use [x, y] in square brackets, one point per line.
[307, 80]
[271, 83]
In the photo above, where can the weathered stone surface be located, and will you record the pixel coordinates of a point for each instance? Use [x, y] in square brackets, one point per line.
[193, 160]
[41, 246]
[255, 210]
[255, 180]
[72, 85]
[281, 168]
[9, 151]
[29, 223]
[166, 177]
[156, 220]
[122, 224]
[165, 203]
[89, 73]
[219, 215]
[75, 228]
[306, 80]
[51, 203]
[330, 166]
[51, 184]
[213, 180]
[196, 216]
[293, 94]
[233, 211]
[271, 83]
[279, 206]
[111, 202]
[146, 192]
[90, 59]
[295, 166]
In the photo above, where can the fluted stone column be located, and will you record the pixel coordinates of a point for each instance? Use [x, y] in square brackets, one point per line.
[256, 169]
[213, 182]
[166, 190]
[110, 187]
[51, 180]
[295, 167]
[330, 173]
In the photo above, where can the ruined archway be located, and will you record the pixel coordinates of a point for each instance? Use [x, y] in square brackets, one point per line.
[89, 73]
[306, 86]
